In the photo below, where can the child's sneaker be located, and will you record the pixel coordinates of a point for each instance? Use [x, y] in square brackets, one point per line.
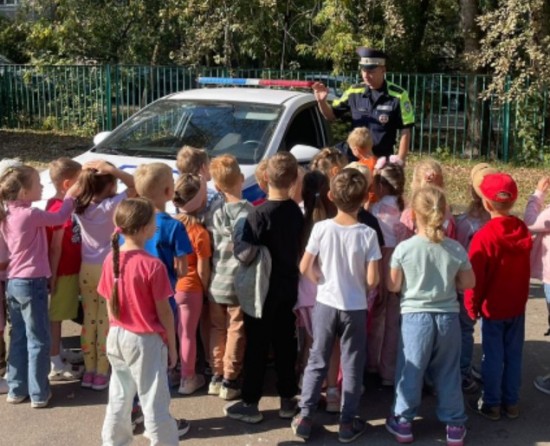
[191, 384]
[476, 374]
[16, 399]
[401, 429]
[230, 389]
[183, 427]
[347, 432]
[41, 404]
[100, 382]
[215, 385]
[301, 426]
[511, 411]
[333, 400]
[248, 413]
[87, 380]
[4, 388]
[489, 412]
[542, 383]
[71, 356]
[137, 417]
[456, 435]
[288, 408]
[469, 385]
[65, 374]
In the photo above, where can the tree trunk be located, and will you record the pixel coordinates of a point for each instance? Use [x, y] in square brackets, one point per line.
[477, 112]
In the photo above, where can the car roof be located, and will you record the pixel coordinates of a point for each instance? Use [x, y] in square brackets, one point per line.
[242, 94]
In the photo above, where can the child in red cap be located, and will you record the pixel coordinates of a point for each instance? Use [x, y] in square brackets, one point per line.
[499, 253]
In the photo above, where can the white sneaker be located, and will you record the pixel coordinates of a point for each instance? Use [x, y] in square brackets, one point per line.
[73, 357]
[3, 386]
[66, 373]
[191, 385]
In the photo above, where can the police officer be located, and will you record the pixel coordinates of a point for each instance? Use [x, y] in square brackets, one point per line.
[378, 104]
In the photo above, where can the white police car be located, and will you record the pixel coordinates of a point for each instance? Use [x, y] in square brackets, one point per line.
[249, 123]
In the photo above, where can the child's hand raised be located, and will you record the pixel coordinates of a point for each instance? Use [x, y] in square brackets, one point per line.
[543, 184]
[100, 166]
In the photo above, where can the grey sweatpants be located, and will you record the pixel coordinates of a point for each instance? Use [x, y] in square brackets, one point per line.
[350, 326]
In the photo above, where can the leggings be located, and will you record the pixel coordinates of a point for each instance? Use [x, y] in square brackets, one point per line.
[189, 314]
[96, 321]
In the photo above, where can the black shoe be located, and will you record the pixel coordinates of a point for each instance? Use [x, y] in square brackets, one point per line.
[289, 407]
[301, 426]
[183, 427]
[351, 431]
[469, 385]
[490, 412]
[248, 413]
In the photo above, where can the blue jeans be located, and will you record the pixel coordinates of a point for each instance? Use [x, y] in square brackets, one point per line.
[29, 357]
[502, 342]
[467, 338]
[429, 342]
[329, 323]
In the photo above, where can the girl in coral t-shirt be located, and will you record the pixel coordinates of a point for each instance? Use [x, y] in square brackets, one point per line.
[141, 344]
[190, 198]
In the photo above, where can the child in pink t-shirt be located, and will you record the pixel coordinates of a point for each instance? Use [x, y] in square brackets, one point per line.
[141, 344]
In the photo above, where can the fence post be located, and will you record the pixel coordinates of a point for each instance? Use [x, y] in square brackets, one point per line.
[108, 107]
[506, 124]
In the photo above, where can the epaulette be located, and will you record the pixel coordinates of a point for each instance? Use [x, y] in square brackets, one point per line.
[395, 88]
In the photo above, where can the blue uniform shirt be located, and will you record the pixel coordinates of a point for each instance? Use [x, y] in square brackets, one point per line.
[382, 111]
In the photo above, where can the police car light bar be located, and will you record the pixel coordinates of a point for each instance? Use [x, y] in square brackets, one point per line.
[254, 82]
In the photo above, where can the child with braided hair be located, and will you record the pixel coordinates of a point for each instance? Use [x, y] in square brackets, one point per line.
[141, 343]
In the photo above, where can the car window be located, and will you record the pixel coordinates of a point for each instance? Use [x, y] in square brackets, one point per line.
[161, 129]
[303, 129]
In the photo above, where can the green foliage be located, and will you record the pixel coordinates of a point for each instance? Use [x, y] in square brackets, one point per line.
[530, 147]
[12, 41]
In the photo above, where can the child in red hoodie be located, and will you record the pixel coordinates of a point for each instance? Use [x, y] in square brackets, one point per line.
[499, 253]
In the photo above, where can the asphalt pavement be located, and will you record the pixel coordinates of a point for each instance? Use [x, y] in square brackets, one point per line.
[75, 416]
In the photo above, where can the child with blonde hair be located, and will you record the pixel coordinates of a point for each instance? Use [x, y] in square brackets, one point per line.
[360, 143]
[95, 206]
[142, 343]
[227, 339]
[23, 230]
[428, 172]
[261, 179]
[190, 199]
[329, 161]
[427, 269]
[65, 258]
[467, 225]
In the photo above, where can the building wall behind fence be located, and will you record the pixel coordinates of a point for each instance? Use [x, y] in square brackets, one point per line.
[450, 117]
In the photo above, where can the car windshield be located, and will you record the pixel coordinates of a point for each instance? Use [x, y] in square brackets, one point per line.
[160, 130]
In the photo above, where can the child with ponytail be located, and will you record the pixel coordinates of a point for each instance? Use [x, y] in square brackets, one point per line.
[190, 198]
[428, 269]
[95, 206]
[141, 343]
[389, 186]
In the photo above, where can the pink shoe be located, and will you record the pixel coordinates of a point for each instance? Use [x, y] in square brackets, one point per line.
[87, 380]
[100, 382]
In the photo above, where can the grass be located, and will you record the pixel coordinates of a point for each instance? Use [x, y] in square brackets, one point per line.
[38, 148]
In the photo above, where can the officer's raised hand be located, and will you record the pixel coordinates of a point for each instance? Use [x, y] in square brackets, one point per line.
[320, 91]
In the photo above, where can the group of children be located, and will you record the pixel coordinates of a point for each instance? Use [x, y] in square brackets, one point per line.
[331, 276]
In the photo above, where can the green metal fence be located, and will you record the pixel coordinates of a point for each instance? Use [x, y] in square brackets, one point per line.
[450, 117]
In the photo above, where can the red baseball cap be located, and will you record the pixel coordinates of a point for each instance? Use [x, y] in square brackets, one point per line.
[499, 187]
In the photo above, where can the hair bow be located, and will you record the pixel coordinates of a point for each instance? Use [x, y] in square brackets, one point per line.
[392, 159]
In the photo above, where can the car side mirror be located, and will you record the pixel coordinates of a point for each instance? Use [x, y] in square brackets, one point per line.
[303, 153]
[100, 137]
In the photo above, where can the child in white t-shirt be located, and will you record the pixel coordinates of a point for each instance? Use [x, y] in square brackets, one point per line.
[348, 254]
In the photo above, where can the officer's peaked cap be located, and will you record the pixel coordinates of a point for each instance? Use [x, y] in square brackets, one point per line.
[371, 58]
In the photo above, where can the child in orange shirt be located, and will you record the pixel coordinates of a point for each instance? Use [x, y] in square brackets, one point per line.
[360, 143]
[190, 199]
